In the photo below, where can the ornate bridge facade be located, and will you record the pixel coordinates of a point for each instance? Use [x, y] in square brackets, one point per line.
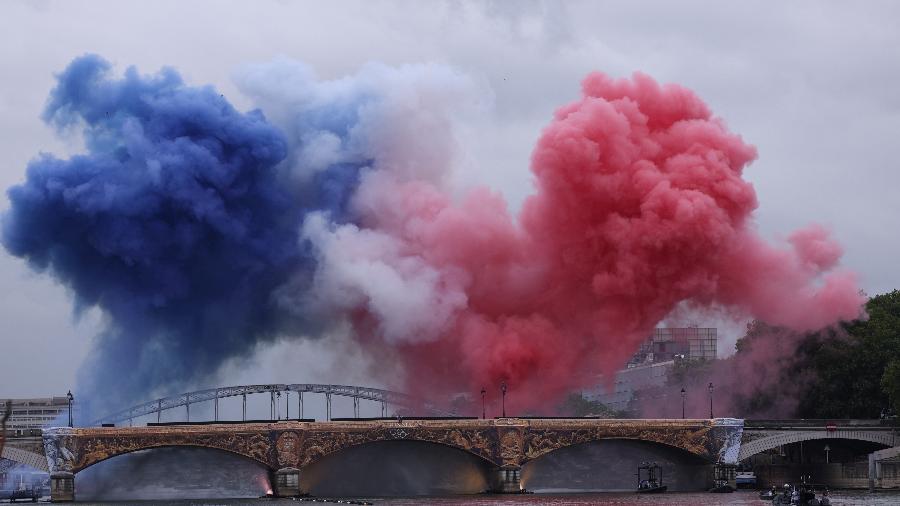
[286, 448]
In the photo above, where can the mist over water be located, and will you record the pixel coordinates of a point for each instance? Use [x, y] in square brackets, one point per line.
[172, 473]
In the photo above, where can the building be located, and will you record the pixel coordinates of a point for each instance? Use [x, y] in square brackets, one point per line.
[35, 414]
[650, 365]
[666, 345]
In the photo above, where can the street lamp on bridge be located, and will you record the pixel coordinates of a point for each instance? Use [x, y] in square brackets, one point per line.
[682, 403]
[71, 398]
[710, 387]
[503, 395]
[483, 412]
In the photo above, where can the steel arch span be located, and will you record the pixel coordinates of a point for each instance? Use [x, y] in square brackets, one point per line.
[157, 406]
[30, 459]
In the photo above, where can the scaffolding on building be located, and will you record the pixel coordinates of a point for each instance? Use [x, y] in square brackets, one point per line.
[666, 344]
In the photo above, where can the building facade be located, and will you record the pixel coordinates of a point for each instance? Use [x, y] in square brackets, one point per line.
[651, 364]
[34, 414]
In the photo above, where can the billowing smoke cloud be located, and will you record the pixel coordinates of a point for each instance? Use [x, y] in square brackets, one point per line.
[174, 222]
[405, 123]
[639, 206]
[201, 230]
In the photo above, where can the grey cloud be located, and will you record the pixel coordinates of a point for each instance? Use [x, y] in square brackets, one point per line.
[812, 84]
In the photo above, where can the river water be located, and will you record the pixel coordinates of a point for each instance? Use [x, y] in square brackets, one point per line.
[740, 498]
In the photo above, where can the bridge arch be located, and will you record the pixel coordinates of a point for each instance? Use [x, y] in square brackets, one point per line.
[171, 474]
[699, 454]
[610, 464]
[81, 466]
[25, 457]
[320, 444]
[72, 450]
[756, 446]
[399, 467]
[541, 442]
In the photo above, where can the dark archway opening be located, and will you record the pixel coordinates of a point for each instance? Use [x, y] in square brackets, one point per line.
[611, 465]
[396, 468]
[172, 473]
[839, 463]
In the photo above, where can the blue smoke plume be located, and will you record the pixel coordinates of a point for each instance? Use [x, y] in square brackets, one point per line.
[178, 221]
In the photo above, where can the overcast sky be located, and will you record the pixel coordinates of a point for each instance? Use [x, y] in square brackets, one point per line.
[814, 85]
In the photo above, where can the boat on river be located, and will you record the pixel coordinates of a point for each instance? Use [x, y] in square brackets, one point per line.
[802, 494]
[768, 495]
[650, 479]
[29, 493]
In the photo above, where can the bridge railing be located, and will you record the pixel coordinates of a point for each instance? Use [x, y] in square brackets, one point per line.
[818, 423]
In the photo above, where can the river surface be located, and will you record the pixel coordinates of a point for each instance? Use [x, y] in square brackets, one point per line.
[741, 498]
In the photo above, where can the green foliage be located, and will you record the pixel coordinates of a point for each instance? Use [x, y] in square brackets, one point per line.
[577, 405]
[684, 371]
[890, 382]
[850, 369]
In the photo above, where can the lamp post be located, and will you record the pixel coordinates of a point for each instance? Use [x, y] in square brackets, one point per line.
[503, 394]
[71, 398]
[682, 403]
[710, 400]
[483, 412]
[827, 449]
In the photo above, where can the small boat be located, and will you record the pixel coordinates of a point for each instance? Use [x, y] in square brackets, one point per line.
[721, 481]
[768, 495]
[745, 479]
[650, 479]
[803, 494]
[722, 487]
[21, 494]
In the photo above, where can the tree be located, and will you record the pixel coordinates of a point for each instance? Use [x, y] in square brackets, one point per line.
[850, 367]
[685, 370]
[890, 382]
[577, 405]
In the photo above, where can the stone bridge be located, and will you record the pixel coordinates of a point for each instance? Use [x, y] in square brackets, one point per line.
[287, 447]
[762, 435]
[504, 445]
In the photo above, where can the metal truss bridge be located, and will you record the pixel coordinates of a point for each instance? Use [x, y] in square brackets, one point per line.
[357, 393]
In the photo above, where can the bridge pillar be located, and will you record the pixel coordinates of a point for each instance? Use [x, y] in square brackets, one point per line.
[62, 487]
[873, 467]
[507, 480]
[287, 482]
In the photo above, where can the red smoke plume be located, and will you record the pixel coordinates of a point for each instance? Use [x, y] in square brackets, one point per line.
[639, 206]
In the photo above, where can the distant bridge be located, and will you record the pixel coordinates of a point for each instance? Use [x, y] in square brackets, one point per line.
[762, 435]
[357, 393]
[28, 458]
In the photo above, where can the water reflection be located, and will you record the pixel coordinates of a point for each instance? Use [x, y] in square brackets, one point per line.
[742, 498]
